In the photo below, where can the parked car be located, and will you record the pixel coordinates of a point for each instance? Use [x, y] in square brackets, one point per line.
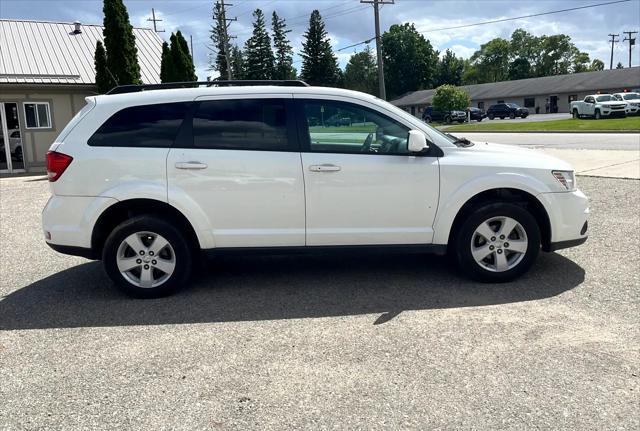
[15, 146]
[631, 99]
[429, 114]
[476, 114]
[336, 120]
[598, 106]
[503, 110]
[147, 181]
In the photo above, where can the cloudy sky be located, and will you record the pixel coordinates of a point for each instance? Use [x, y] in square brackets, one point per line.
[349, 21]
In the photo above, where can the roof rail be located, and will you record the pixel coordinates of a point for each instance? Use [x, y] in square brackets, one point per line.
[134, 88]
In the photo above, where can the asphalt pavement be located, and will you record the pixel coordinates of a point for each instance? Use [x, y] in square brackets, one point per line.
[324, 342]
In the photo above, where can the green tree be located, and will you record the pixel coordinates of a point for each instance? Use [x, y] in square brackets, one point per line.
[410, 60]
[619, 66]
[580, 62]
[181, 65]
[104, 82]
[319, 64]
[596, 65]
[237, 63]
[120, 43]
[557, 53]
[166, 65]
[217, 32]
[361, 73]
[449, 97]
[284, 52]
[259, 59]
[449, 69]
[520, 68]
[492, 61]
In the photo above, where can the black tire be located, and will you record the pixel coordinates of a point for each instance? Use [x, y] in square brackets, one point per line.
[512, 115]
[597, 115]
[427, 119]
[490, 116]
[479, 120]
[177, 241]
[502, 117]
[447, 119]
[462, 242]
[575, 114]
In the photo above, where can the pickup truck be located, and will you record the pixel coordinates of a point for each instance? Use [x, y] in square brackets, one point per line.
[598, 106]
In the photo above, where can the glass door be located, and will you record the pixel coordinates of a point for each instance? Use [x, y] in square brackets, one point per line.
[11, 142]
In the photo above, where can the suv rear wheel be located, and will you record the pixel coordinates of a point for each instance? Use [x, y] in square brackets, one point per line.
[490, 116]
[497, 242]
[147, 257]
[512, 115]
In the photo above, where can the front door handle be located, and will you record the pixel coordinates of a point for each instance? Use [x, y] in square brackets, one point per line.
[324, 168]
[191, 165]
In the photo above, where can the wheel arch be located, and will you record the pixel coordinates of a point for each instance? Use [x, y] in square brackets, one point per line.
[120, 211]
[504, 194]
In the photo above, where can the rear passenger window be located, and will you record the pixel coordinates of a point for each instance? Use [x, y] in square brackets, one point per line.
[142, 126]
[259, 124]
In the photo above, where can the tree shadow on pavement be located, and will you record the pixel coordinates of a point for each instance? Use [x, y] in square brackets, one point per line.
[278, 287]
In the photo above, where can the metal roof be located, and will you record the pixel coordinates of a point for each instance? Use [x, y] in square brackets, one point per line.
[37, 52]
[548, 85]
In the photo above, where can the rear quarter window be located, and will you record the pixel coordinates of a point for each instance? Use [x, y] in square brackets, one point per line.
[142, 126]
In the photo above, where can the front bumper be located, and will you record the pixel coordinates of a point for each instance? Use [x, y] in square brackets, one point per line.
[568, 214]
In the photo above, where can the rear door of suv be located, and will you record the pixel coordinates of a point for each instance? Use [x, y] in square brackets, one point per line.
[238, 168]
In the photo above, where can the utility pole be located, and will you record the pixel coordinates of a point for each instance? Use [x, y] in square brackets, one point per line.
[632, 42]
[613, 42]
[227, 22]
[191, 44]
[376, 16]
[154, 20]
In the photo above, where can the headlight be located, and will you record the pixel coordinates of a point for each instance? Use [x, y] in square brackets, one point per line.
[566, 178]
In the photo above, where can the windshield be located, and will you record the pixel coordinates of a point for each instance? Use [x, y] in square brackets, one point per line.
[606, 98]
[631, 96]
[512, 105]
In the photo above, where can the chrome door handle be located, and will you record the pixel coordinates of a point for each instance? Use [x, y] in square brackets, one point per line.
[324, 168]
[191, 165]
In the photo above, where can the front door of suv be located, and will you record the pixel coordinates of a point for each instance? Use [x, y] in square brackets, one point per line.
[361, 184]
[239, 169]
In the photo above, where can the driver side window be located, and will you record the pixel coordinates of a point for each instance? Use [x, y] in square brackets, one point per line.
[339, 127]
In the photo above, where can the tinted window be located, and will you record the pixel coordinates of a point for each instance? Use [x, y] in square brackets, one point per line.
[142, 126]
[339, 127]
[259, 124]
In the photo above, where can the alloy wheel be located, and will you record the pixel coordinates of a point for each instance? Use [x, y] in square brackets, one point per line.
[146, 259]
[499, 244]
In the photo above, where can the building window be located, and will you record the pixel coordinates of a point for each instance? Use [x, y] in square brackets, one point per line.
[529, 102]
[37, 115]
[573, 97]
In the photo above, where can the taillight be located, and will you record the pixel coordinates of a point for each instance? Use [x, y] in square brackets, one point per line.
[57, 163]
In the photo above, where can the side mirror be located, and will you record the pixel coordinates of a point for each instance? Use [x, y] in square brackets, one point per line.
[417, 141]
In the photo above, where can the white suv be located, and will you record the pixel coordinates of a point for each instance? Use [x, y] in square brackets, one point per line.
[146, 180]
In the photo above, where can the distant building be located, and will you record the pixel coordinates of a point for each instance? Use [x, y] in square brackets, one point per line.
[533, 93]
[46, 71]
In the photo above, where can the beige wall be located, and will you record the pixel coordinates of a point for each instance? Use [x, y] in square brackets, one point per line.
[64, 103]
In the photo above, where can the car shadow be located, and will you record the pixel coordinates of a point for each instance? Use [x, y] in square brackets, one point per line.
[254, 288]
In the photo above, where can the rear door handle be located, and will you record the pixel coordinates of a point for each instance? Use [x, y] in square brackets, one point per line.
[324, 168]
[190, 165]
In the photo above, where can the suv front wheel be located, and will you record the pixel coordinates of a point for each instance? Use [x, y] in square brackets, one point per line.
[147, 257]
[497, 242]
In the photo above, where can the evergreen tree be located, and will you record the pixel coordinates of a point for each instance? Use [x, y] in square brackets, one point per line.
[189, 72]
[319, 64]
[284, 52]
[619, 66]
[104, 82]
[181, 66]
[120, 43]
[237, 63]
[259, 60]
[361, 73]
[166, 65]
[219, 62]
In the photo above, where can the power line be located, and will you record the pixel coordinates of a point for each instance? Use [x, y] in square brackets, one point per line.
[525, 16]
[499, 20]
[155, 20]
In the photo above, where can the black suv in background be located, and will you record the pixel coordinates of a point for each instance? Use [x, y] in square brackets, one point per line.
[431, 114]
[503, 110]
